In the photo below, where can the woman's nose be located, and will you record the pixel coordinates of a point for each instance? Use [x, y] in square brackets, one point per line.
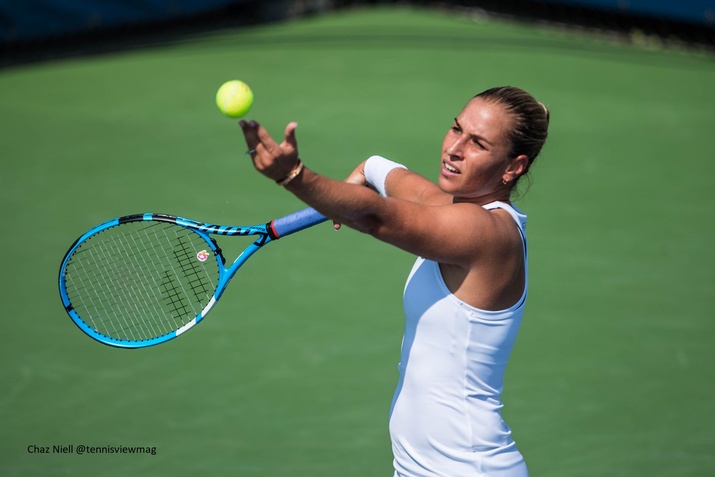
[454, 147]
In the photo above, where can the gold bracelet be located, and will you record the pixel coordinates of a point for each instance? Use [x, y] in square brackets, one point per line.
[292, 175]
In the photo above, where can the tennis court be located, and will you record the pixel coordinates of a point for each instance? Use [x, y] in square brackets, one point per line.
[293, 372]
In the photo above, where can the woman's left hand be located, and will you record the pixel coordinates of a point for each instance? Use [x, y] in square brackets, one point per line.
[273, 160]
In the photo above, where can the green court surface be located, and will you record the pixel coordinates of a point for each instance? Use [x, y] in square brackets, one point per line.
[293, 372]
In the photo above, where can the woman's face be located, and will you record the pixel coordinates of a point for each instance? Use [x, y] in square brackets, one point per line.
[475, 152]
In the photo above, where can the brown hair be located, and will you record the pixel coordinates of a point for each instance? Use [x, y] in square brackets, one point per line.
[531, 121]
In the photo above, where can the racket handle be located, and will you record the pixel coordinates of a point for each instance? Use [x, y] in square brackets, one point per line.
[296, 222]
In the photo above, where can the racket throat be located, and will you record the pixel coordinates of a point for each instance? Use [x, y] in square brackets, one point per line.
[271, 234]
[218, 252]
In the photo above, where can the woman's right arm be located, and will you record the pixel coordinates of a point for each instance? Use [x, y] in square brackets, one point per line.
[401, 183]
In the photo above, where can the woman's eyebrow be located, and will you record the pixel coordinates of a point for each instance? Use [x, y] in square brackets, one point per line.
[472, 135]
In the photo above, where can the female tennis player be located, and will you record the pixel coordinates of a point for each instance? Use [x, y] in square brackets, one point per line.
[464, 298]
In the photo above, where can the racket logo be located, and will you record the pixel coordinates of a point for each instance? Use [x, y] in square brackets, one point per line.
[202, 256]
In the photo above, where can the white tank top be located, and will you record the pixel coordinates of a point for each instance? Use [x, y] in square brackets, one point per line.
[445, 418]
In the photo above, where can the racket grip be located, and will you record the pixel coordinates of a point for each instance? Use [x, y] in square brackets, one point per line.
[296, 222]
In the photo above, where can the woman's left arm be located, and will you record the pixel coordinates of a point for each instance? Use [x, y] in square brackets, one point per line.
[459, 234]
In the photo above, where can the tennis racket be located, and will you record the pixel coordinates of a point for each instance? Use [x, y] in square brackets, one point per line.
[141, 280]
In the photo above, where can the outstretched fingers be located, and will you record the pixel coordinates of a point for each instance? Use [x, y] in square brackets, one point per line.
[250, 132]
[290, 142]
[265, 140]
[270, 158]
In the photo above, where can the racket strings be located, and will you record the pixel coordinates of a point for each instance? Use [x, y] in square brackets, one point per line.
[140, 280]
[112, 298]
[188, 264]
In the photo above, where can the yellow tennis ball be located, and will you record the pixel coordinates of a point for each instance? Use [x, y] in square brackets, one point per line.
[234, 98]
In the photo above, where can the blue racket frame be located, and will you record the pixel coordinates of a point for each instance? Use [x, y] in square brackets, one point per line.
[265, 233]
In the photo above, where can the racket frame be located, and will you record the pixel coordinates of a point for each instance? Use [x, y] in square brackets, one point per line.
[265, 234]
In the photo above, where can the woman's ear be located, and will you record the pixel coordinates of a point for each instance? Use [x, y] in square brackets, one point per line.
[518, 166]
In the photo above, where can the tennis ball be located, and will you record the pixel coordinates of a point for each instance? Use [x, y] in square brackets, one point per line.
[234, 98]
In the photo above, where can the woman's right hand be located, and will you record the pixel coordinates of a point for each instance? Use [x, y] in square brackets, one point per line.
[356, 177]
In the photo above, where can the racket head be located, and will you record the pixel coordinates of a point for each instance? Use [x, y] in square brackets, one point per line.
[140, 280]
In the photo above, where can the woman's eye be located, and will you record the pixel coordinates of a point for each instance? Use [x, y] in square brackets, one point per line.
[477, 143]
